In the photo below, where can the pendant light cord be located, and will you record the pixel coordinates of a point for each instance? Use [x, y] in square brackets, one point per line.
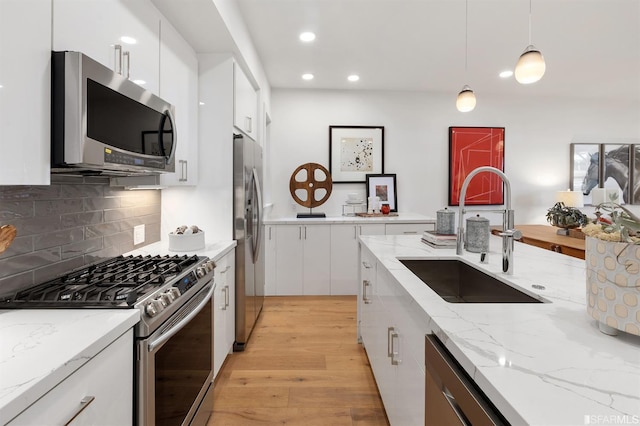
[530, 22]
[466, 36]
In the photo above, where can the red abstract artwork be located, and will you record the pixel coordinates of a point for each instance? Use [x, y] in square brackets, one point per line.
[470, 148]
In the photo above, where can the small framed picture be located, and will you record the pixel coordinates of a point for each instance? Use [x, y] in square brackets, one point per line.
[355, 151]
[383, 186]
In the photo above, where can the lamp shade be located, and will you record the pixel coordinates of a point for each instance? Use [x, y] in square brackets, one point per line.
[466, 100]
[530, 67]
[570, 198]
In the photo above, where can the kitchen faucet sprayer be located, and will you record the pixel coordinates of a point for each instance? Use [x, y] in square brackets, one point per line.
[508, 233]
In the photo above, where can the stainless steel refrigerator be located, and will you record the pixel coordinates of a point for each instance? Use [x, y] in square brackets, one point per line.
[247, 229]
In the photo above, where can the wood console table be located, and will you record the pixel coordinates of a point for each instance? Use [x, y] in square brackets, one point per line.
[544, 236]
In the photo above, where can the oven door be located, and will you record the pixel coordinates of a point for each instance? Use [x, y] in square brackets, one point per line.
[175, 366]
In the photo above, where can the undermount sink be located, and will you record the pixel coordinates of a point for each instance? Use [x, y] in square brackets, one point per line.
[457, 282]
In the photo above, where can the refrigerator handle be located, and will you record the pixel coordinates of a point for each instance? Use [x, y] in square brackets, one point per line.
[257, 233]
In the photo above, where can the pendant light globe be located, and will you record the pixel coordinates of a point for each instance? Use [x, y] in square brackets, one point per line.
[530, 67]
[466, 100]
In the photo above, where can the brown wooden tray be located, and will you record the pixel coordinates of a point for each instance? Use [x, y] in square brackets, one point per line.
[375, 214]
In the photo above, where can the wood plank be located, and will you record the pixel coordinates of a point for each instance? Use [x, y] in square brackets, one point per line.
[300, 378]
[335, 397]
[279, 416]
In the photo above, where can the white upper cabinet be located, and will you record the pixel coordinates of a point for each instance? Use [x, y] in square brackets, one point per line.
[25, 91]
[179, 86]
[245, 103]
[96, 27]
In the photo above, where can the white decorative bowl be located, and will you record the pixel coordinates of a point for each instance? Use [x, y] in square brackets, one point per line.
[186, 242]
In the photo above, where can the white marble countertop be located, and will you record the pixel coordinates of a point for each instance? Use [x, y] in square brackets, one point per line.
[39, 348]
[540, 364]
[401, 218]
[214, 250]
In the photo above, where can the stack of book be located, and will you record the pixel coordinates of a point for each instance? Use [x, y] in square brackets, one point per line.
[436, 240]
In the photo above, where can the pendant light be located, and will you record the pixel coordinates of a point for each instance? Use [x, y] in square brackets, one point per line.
[466, 100]
[530, 67]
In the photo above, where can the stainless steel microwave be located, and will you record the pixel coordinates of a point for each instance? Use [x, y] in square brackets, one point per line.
[103, 123]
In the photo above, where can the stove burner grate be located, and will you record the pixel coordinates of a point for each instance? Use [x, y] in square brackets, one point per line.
[115, 283]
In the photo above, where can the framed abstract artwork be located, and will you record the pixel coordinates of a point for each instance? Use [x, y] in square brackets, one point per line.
[383, 186]
[470, 148]
[354, 152]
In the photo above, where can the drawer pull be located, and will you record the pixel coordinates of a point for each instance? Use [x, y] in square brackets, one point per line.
[556, 248]
[84, 403]
[366, 264]
[365, 297]
[410, 232]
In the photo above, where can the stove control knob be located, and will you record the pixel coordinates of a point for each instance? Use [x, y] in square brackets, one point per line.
[175, 291]
[210, 265]
[201, 272]
[166, 299]
[154, 307]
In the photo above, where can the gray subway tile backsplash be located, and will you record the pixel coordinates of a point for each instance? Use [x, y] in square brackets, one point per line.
[70, 223]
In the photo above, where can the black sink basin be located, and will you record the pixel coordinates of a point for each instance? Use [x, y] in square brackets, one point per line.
[457, 282]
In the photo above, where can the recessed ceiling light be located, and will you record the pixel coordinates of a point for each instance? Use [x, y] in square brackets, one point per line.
[128, 40]
[506, 74]
[201, 103]
[353, 77]
[140, 82]
[307, 36]
[307, 76]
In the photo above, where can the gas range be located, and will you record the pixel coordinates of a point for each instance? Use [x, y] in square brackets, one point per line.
[156, 285]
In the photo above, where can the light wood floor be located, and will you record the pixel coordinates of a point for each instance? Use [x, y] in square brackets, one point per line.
[302, 366]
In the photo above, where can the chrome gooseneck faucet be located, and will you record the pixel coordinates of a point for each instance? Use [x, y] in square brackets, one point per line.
[508, 234]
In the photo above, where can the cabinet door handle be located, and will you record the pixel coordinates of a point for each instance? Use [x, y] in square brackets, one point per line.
[126, 55]
[366, 265]
[117, 58]
[305, 232]
[355, 232]
[389, 342]
[365, 298]
[186, 170]
[226, 297]
[84, 403]
[247, 124]
[393, 353]
[269, 233]
[556, 248]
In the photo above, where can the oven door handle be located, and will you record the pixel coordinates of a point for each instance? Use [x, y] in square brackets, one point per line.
[176, 328]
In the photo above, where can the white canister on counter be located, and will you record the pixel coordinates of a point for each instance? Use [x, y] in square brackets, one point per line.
[477, 234]
[445, 221]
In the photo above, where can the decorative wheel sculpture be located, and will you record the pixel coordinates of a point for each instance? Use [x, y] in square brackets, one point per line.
[311, 185]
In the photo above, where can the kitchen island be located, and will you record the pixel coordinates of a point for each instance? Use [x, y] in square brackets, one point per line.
[541, 363]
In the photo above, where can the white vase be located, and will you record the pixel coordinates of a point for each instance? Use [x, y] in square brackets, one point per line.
[613, 285]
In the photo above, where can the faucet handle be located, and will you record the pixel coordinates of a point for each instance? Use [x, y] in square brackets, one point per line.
[511, 233]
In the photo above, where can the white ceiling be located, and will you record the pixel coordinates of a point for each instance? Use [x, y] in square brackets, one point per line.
[591, 47]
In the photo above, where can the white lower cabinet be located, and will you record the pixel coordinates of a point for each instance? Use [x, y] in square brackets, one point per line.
[344, 255]
[392, 331]
[98, 393]
[224, 331]
[270, 259]
[321, 258]
[303, 260]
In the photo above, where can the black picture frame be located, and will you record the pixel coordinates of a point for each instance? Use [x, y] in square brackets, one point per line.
[354, 152]
[383, 186]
